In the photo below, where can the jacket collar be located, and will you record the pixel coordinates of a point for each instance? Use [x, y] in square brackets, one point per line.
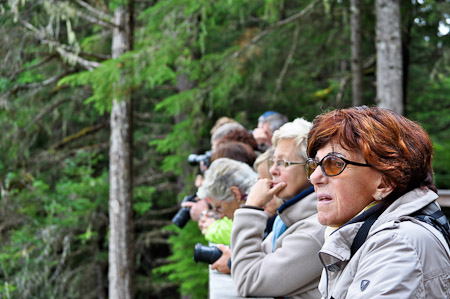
[295, 199]
[301, 206]
[337, 246]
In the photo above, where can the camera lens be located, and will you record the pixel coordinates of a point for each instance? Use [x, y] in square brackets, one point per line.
[206, 254]
[181, 217]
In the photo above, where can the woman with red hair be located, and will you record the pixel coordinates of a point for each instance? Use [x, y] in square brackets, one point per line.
[386, 235]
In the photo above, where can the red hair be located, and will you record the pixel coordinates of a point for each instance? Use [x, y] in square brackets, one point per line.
[394, 145]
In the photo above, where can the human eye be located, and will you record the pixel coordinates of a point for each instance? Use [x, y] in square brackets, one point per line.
[281, 163]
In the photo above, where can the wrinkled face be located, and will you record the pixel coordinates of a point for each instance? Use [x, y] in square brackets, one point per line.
[225, 208]
[342, 197]
[294, 175]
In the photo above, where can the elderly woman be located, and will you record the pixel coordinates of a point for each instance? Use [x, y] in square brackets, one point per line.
[220, 231]
[285, 264]
[371, 170]
[262, 167]
[227, 183]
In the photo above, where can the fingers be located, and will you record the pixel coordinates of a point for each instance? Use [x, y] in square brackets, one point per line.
[277, 188]
[215, 266]
[188, 204]
[221, 247]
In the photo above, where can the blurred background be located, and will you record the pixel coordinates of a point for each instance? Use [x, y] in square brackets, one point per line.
[144, 81]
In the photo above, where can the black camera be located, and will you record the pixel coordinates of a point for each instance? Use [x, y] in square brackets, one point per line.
[194, 159]
[183, 216]
[206, 254]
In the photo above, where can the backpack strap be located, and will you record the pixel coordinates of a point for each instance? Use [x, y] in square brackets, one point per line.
[436, 219]
[363, 231]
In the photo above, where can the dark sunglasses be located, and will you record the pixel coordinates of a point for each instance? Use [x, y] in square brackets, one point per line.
[332, 165]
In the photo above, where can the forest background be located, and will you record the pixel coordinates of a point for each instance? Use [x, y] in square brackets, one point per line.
[169, 69]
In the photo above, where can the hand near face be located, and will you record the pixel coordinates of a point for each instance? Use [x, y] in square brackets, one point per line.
[272, 206]
[263, 191]
[196, 208]
[221, 264]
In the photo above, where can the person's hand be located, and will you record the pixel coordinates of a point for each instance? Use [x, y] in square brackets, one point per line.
[272, 206]
[262, 192]
[198, 180]
[204, 222]
[260, 136]
[221, 264]
[196, 208]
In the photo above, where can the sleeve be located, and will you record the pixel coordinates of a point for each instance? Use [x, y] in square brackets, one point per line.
[219, 231]
[256, 271]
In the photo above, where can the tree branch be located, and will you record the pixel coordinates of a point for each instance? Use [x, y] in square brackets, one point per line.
[40, 63]
[87, 64]
[262, 34]
[41, 84]
[63, 50]
[78, 135]
[48, 109]
[98, 13]
[96, 20]
[149, 179]
[288, 59]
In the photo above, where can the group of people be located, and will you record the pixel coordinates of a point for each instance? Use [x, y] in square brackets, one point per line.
[343, 207]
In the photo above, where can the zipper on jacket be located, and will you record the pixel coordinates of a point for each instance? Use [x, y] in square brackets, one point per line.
[326, 275]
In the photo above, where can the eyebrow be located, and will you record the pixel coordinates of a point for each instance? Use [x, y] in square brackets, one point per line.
[332, 152]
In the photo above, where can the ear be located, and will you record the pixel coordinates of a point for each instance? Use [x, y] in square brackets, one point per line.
[383, 189]
[236, 192]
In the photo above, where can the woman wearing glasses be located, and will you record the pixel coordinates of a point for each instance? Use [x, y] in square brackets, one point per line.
[371, 170]
[227, 183]
[285, 264]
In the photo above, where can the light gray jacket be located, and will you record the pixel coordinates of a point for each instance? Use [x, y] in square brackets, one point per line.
[293, 269]
[401, 257]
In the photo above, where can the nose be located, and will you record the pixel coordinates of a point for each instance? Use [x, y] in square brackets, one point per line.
[274, 170]
[317, 177]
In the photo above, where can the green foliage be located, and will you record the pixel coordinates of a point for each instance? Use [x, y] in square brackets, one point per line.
[192, 277]
[41, 248]
[105, 81]
[143, 196]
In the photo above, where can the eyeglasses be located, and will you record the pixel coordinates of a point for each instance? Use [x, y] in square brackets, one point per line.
[332, 165]
[282, 164]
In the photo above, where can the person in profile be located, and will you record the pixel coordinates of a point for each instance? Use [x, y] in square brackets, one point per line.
[285, 264]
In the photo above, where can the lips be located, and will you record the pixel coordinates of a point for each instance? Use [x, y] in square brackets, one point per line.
[323, 197]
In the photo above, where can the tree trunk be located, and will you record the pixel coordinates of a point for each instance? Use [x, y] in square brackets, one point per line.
[121, 240]
[389, 55]
[356, 41]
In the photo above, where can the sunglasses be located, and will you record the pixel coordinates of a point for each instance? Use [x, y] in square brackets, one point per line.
[332, 165]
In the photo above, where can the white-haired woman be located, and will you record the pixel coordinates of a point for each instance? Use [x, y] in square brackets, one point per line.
[285, 264]
[227, 183]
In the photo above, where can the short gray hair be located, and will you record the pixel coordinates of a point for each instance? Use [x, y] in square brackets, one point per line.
[224, 173]
[297, 130]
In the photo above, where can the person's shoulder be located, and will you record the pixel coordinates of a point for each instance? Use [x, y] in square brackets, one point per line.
[409, 233]
[309, 226]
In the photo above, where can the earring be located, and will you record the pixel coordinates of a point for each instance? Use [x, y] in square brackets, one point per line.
[380, 198]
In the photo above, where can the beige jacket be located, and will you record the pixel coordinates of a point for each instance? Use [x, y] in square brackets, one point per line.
[401, 257]
[293, 269]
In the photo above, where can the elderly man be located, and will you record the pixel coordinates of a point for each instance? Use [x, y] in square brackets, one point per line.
[268, 123]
